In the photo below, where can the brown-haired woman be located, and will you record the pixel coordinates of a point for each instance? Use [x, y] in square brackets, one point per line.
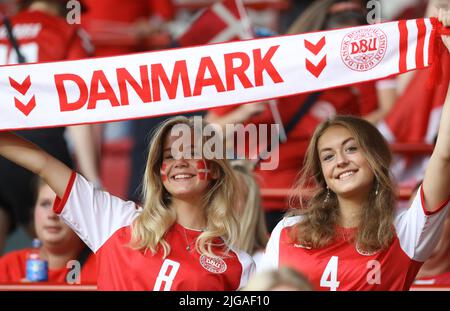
[349, 237]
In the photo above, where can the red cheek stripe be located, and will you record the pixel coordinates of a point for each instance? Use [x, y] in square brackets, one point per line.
[203, 170]
[162, 171]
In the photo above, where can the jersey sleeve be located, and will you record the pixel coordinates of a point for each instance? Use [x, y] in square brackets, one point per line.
[248, 267]
[271, 256]
[93, 214]
[419, 230]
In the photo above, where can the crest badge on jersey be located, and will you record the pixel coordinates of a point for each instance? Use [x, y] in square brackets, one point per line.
[213, 264]
[363, 49]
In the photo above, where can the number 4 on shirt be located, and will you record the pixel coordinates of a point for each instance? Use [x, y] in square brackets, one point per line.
[329, 276]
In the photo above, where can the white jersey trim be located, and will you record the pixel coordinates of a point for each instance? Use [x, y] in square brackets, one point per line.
[93, 214]
[248, 267]
[271, 256]
[419, 230]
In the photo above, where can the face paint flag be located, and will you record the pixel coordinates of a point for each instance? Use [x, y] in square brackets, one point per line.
[190, 79]
[163, 171]
[204, 173]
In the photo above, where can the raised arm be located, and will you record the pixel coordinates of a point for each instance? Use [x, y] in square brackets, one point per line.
[22, 152]
[436, 184]
[85, 151]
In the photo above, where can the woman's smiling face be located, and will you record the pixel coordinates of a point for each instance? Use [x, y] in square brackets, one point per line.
[344, 165]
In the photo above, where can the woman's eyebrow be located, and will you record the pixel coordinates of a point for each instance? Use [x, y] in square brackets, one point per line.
[343, 143]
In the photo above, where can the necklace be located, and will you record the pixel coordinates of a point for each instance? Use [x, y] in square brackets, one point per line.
[188, 244]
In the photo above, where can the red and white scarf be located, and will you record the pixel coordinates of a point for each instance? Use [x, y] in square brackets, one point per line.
[196, 78]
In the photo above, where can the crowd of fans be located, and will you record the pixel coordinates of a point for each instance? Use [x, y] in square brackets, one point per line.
[113, 27]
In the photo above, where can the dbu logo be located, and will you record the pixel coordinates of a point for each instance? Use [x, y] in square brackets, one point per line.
[364, 46]
[73, 12]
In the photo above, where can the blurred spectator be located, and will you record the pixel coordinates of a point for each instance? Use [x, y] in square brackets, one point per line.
[8, 7]
[59, 245]
[376, 98]
[253, 233]
[287, 17]
[120, 27]
[283, 279]
[49, 38]
[405, 9]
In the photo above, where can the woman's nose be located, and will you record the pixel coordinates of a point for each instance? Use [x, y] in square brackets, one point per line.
[180, 163]
[341, 159]
[52, 215]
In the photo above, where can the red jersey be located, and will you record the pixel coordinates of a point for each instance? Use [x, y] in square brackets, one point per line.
[291, 154]
[342, 266]
[13, 269]
[103, 222]
[43, 37]
[128, 11]
[105, 18]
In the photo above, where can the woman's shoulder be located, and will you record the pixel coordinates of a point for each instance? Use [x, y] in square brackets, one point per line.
[289, 221]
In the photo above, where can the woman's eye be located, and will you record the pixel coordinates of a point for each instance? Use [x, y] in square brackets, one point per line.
[327, 157]
[45, 204]
[352, 149]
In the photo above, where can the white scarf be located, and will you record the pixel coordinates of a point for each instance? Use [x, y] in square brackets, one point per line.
[189, 79]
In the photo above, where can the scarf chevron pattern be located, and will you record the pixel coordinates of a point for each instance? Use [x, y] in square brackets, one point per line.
[189, 79]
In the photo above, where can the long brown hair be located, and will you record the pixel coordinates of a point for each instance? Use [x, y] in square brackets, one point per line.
[317, 227]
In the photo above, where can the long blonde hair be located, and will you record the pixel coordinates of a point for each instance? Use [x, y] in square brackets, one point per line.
[317, 228]
[254, 234]
[157, 216]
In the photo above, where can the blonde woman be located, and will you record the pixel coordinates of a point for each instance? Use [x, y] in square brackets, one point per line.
[182, 238]
[253, 230]
[348, 236]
